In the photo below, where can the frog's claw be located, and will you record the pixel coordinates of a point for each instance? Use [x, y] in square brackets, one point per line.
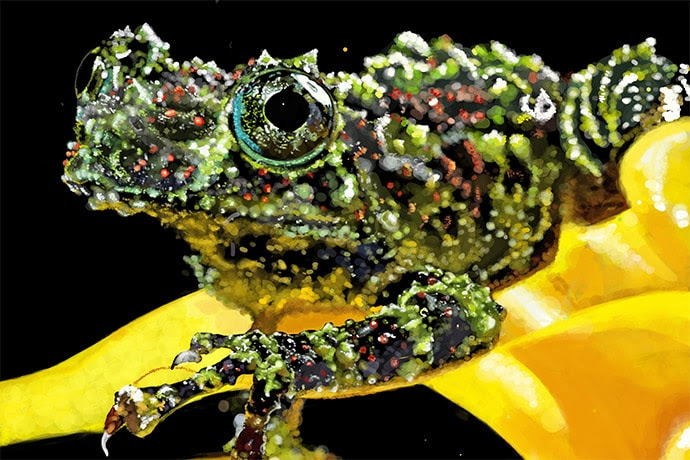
[104, 441]
[112, 423]
[187, 356]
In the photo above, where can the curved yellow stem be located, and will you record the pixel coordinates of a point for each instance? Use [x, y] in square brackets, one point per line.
[71, 397]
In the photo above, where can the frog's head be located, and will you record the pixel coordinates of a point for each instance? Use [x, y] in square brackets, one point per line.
[246, 164]
[247, 143]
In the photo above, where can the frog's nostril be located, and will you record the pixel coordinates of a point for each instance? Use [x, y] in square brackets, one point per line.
[84, 76]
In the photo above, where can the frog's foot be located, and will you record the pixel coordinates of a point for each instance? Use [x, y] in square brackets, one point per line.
[269, 428]
[141, 409]
[263, 410]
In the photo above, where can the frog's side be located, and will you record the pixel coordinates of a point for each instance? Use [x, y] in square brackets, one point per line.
[436, 163]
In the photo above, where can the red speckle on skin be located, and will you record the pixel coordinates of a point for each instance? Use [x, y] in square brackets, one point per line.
[165, 173]
[170, 113]
[199, 121]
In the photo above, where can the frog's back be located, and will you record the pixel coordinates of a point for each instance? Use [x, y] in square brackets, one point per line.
[468, 151]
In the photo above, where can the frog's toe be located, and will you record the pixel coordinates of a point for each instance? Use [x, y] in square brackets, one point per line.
[113, 421]
[104, 441]
[187, 356]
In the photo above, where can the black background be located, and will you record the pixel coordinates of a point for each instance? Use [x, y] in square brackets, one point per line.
[70, 276]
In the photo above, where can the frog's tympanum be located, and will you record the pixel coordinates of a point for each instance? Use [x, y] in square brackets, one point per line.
[407, 191]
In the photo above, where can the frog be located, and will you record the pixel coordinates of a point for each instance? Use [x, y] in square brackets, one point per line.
[409, 192]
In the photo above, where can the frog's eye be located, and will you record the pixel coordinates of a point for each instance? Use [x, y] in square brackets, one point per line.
[282, 117]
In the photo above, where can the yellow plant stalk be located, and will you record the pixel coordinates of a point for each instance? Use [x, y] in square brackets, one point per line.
[608, 381]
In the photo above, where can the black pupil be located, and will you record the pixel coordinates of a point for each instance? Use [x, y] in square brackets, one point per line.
[287, 110]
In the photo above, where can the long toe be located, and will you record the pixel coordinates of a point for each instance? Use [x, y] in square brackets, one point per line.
[187, 356]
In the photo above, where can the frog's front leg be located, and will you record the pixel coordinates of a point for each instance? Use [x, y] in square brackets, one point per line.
[438, 319]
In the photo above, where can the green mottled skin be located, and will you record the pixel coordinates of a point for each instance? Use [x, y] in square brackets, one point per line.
[436, 168]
